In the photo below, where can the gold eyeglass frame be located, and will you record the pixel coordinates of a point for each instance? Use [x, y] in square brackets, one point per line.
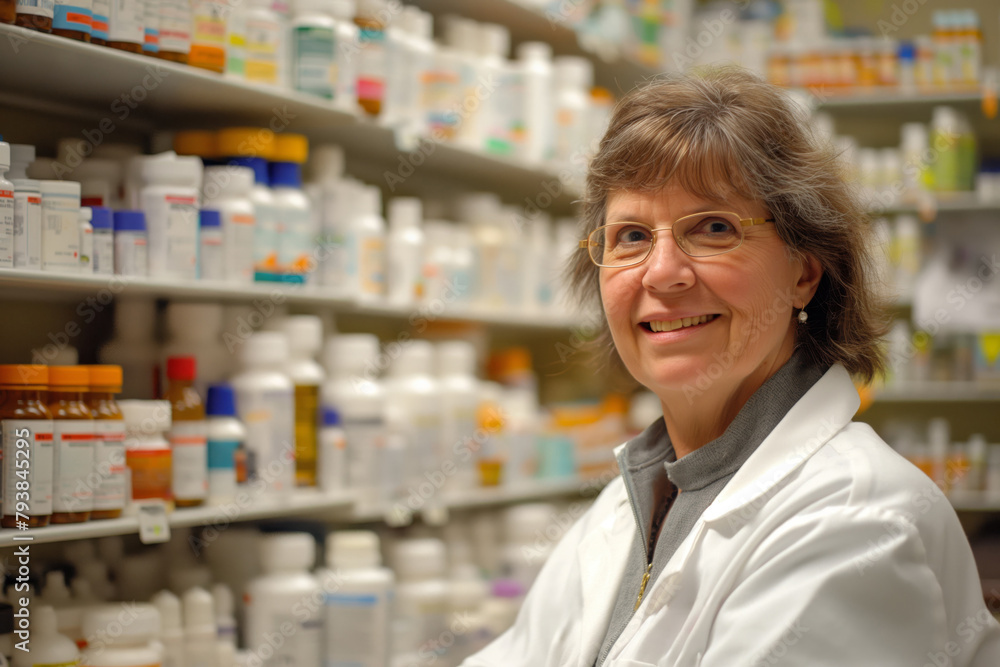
[588, 242]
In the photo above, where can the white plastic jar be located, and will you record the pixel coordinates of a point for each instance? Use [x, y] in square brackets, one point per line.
[227, 189]
[60, 226]
[312, 49]
[131, 249]
[279, 603]
[27, 210]
[169, 198]
[405, 252]
[367, 242]
[265, 31]
[133, 642]
[535, 65]
[421, 598]
[47, 646]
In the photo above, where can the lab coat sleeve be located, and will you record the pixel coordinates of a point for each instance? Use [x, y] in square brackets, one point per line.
[842, 587]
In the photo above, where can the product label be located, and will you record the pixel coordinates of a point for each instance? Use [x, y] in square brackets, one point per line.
[131, 258]
[371, 266]
[236, 42]
[208, 38]
[109, 464]
[6, 227]
[126, 24]
[190, 460]
[72, 465]
[172, 229]
[312, 61]
[295, 241]
[36, 7]
[104, 252]
[355, 628]
[27, 230]
[87, 249]
[238, 231]
[175, 26]
[151, 27]
[306, 432]
[60, 234]
[77, 15]
[150, 473]
[263, 44]
[99, 25]
[269, 417]
[365, 441]
[222, 454]
[303, 647]
[27, 467]
[371, 65]
[211, 260]
[265, 238]
[332, 461]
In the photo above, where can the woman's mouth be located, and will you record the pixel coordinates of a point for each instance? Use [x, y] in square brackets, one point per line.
[658, 326]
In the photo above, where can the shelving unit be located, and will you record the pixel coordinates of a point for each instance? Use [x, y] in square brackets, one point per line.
[340, 508]
[938, 392]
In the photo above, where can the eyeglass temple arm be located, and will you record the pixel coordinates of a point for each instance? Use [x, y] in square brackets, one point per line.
[746, 222]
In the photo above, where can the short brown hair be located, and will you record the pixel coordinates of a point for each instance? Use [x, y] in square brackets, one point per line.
[722, 131]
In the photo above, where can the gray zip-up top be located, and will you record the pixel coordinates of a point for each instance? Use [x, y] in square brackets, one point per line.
[668, 496]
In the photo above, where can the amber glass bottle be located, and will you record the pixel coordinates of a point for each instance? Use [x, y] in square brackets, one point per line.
[27, 446]
[188, 441]
[72, 444]
[109, 442]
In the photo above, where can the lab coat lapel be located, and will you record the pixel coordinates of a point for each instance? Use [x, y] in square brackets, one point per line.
[602, 556]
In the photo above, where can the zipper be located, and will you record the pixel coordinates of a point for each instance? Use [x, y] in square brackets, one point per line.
[645, 548]
[642, 586]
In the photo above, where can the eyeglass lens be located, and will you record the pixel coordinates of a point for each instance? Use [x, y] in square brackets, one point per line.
[699, 235]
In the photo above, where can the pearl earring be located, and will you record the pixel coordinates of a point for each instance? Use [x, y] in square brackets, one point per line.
[803, 316]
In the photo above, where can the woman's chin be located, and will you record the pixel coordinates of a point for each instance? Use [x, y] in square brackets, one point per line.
[686, 376]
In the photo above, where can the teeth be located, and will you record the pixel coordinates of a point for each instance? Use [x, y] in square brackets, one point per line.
[673, 325]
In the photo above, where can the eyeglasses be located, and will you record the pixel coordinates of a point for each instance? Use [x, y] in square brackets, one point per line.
[703, 234]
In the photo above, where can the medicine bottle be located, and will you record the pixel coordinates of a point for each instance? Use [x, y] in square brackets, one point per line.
[102, 224]
[99, 22]
[136, 644]
[131, 252]
[296, 239]
[195, 330]
[535, 65]
[27, 210]
[331, 454]
[34, 15]
[175, 31]
[48, 648]
[265, 43]
[265, 399]
[60, 226]
[6, 210]
[72, 444]
[27, 436]
[275, 599]
[226, 434]
[125, 25]
[110, 473]
[359, 594]
[86, 241]
[208, 34]
[227, 189]
[187, 434]
[171, 628]
[169, 199]
[211, 245]
[459, 387]
[73, 19]
[405, 252]
[199, 627]
[313, 49]
[372, 59]
[421, 601]
[147, 452]
[305, 339]
[367, 242]
[151, 28]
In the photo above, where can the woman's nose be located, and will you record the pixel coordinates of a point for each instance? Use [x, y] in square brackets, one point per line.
[668, 268]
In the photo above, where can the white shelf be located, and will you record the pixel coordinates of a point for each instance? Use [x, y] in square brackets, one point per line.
[892, 101]
[958, 203]
[938, 392]
[53, 75]
[339, 508]
[29, 284]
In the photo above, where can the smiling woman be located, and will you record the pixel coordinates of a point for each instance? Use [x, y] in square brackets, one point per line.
[754, 523]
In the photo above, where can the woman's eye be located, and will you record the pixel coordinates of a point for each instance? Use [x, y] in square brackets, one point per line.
[714, 226]
[632, 235]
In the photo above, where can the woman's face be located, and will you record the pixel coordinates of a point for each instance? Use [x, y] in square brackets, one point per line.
[748, 294]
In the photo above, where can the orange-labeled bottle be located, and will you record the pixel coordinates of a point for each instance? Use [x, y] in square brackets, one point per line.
[188, 434]
[27, 446]
[72, 444]
[110, 476]
[147, 452]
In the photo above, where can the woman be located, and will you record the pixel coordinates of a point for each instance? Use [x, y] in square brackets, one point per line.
[755, 524]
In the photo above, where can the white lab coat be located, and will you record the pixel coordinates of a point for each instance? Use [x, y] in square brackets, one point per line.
[825, 549]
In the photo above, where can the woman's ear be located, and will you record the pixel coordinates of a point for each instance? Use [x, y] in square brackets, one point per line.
[809, 279]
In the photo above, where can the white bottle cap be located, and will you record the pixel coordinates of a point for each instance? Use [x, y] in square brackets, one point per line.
[521, 522]
[46, 623]
[22, 154]
[573, 72]
[977, 447]
[423, 26]
[405, 213]
[416, 357]
[222, 598]
[534, 51]
[305, 333]
[4, 156]
[55, 587]
[327, 162]
[199, 611]
[145, 417]
[495, 40]
[285, 552]
[914, 137]
[143, 625]
[347, 353]
[227, 182]
[456, 357]
[170, 169]
[66, 188]
[462, 34]
[86, 214]
[945, 119]
[194, 321]
[352, 549]
[373, 200]
[265, 348]
[169, 606]
[419, 558]
[43, 168]
[343, 10]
